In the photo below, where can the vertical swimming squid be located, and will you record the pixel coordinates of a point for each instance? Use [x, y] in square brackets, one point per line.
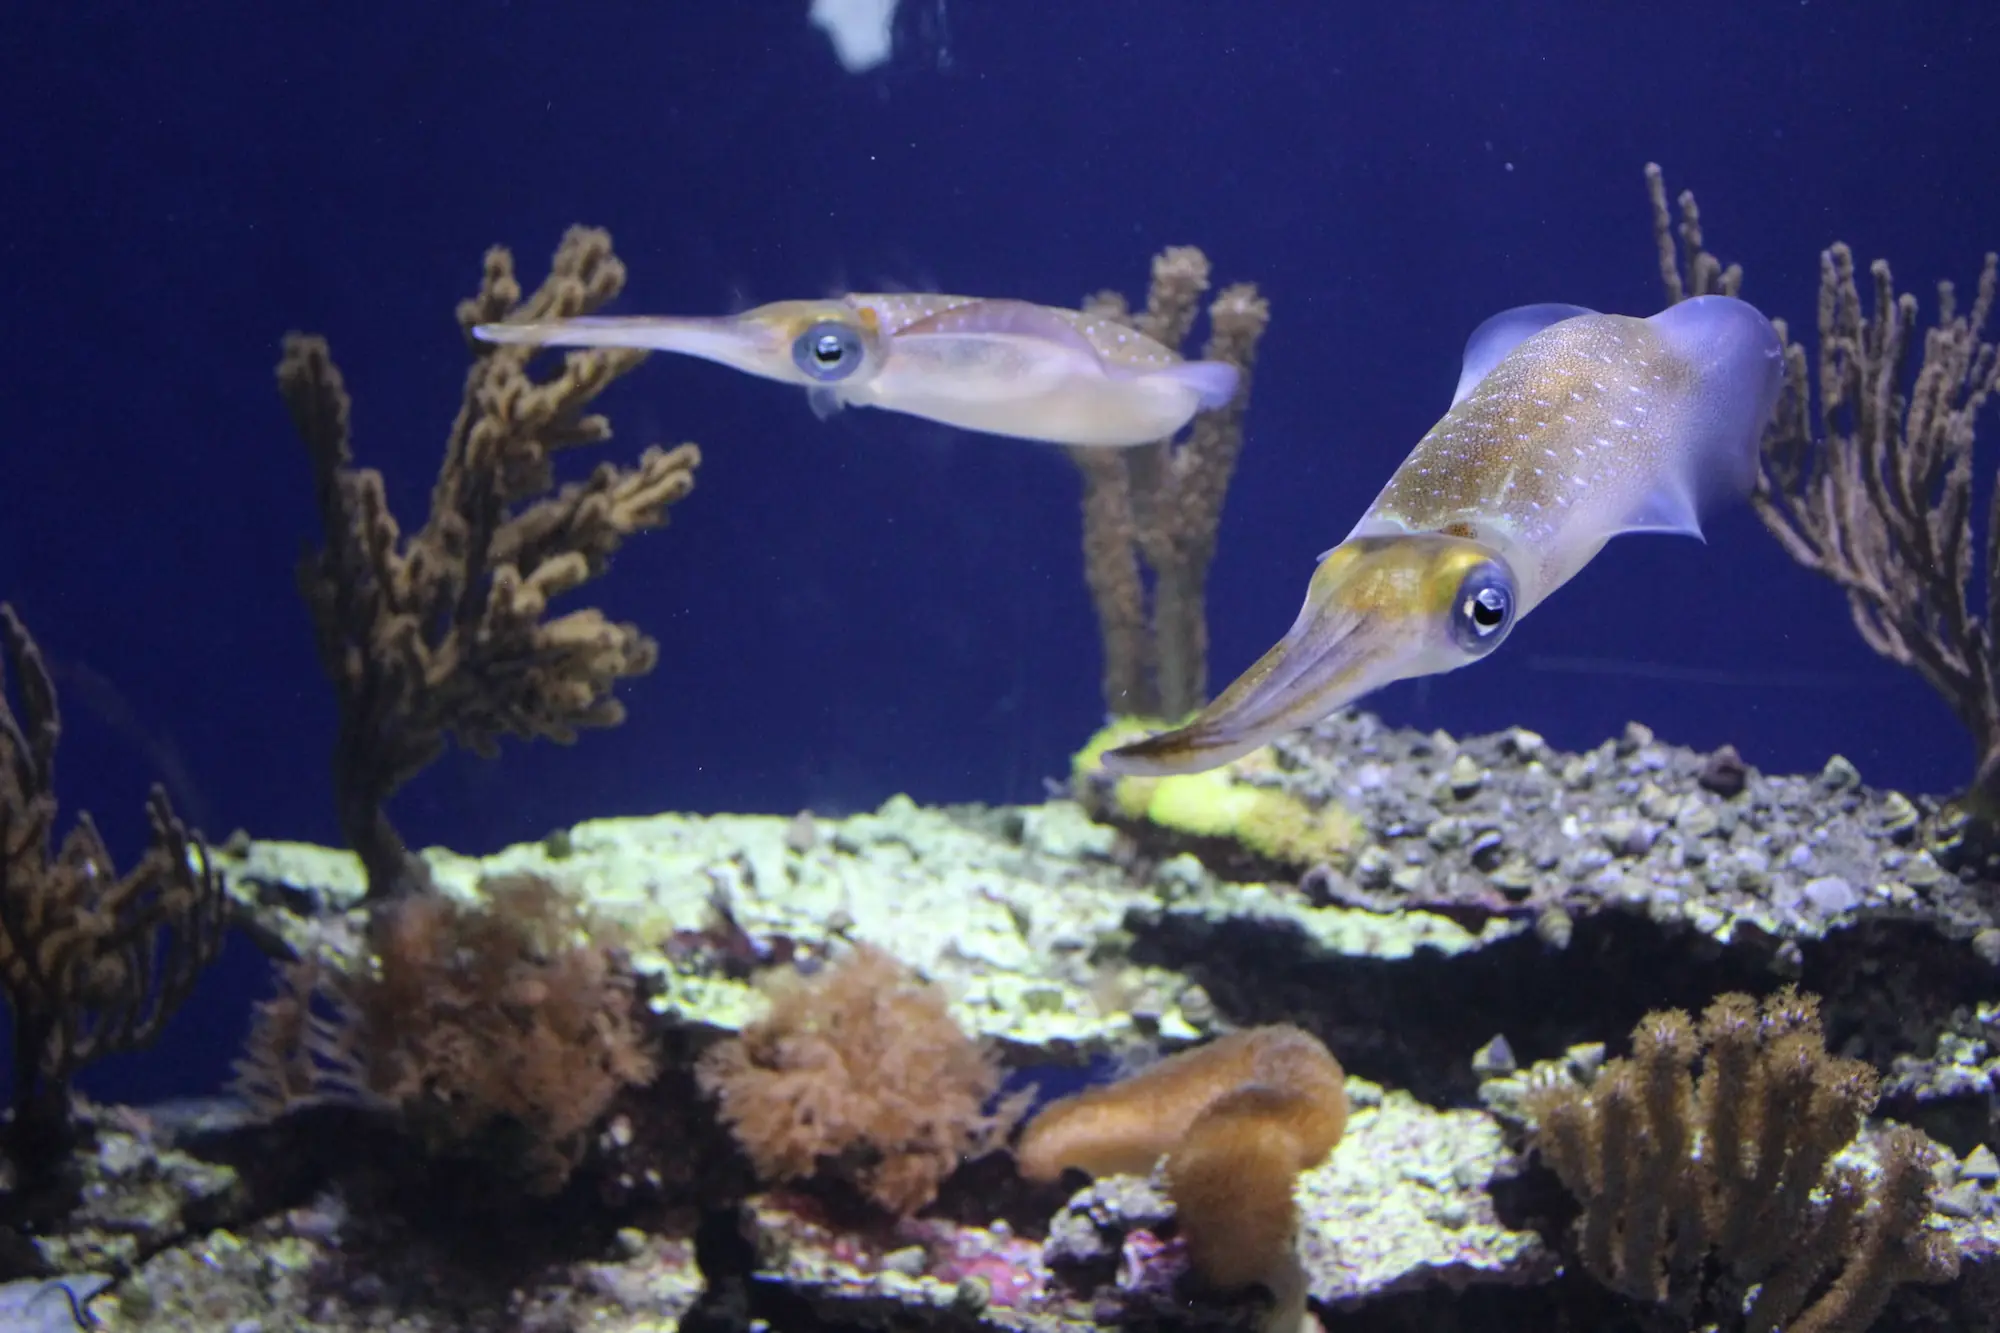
[1568, 428]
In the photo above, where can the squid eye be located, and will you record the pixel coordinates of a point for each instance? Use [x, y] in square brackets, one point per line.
[1484, 609]
[828, 351]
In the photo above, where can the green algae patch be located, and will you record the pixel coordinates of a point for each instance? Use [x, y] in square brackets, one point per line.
[1406, 1194]
[1239, 802]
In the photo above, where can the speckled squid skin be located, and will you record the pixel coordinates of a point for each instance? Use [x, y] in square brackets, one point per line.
[1581, 433]
[1569, 428]
[1118, 344]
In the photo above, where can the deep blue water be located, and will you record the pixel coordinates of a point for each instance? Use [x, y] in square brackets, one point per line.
[875, 604]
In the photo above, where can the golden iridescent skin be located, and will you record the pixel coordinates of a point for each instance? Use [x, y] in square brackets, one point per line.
[1569, 427]
[1004, 367]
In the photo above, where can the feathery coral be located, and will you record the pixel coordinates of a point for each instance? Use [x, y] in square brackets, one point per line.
[1237, 1120]
[509, 1025]
[443, 634]
[93, 962]
[510, 1014]
[860, 1068]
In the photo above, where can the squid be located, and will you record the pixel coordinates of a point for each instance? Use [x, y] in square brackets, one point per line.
[1568, 428]
[1004, 367]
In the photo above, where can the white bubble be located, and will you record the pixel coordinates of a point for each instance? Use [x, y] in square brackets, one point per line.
[861, 30]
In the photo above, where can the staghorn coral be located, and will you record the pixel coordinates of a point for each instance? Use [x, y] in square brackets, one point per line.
[861, 1069]
[93, 962]
[1161, 503]
[507, 1027]
[444, 633]
[1875, 490]
[1237, 1119]
[1698, 1192]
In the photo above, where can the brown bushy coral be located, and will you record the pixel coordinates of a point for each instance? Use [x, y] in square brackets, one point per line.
[510, 1015]
[92, 962]
[510, 1024]
[860, 1068]
[448, 631]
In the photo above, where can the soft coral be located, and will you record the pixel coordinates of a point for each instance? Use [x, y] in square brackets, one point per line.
[860, 1067]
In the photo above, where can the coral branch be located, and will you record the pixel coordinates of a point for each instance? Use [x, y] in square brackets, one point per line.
[93, 962]
[1162, 503]
[1875, 490]
[443, 634]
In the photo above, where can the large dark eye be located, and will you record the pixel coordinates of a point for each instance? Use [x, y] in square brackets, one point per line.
[828, 351]
[1484, 611]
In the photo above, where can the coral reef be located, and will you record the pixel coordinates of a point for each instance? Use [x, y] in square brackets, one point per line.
[1403, 1206]
[202, 1219]
[1156, 508]
[93, 962]
[1501, 897]
[1875, 489]
[862, 1068]
[1721, 1194]
[443, 634]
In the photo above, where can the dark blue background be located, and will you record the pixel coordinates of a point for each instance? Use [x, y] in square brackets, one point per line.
[875, 604]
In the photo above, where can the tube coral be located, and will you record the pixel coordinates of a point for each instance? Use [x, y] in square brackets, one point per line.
[1237, 1120]
[1162, 503]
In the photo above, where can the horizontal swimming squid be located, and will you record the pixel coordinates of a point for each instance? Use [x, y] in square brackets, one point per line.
[1004, 367]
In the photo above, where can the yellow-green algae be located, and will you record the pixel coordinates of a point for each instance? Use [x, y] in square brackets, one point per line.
[1021, 913]
[1226, 802]
[1406, 1195]
[1009, 926]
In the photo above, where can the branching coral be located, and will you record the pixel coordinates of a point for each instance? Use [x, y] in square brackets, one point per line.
[1699, 1191]
[1161, 503]
[444, 633]
[862, 1071]
[1237, 1120]
[1874, 491]
[510, 1026]
[93, 962]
